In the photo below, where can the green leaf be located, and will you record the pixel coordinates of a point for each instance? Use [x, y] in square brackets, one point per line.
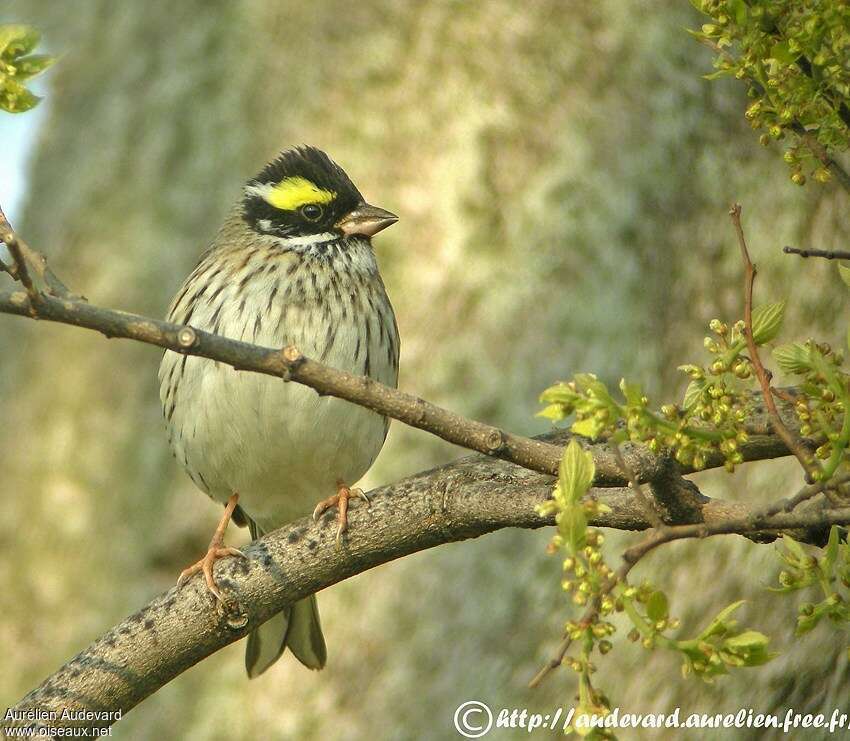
[807, 623]
[749, 640]
[593, 387]
[844, 272]
[588, 427]
[576, 472]
[793, 547]
[720, 624]
[793, 358]
[767, 321]
[781, 52]
[830, 553]
[17, 40]
[750, 646]
[738, 8]
[560, 393]
[35, 64]
[693, 393]
[657, 606]
[632, 392]
[15, 98]
[555, 412]
[572, 525]
[720, 73]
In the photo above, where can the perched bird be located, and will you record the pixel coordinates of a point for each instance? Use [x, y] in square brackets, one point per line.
[292, 265]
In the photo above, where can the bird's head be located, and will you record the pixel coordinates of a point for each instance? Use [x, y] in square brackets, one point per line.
[303, 197]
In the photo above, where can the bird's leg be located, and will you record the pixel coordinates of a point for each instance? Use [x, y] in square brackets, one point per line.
[216, 550]
[340, 501]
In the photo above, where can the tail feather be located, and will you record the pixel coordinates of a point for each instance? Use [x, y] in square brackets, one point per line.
[297, 626]
[266, 644]
[304, 635]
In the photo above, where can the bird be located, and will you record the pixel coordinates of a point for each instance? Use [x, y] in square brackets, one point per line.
[292, 265]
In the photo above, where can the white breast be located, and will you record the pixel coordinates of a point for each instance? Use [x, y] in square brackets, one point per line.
[280, 445]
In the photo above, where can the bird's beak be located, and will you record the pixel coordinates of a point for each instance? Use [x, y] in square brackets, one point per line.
[366, 220]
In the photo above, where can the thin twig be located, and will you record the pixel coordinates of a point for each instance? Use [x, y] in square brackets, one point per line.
[412, 410]
[10, 269]
[646, 503]
[779, 521]
[553, 663]
[36, 261]
[21, 270]
[663, 534]
[590, 614]
[619, 577]
[803, 495]
[536, 455]
[828, 254]
[811, 468]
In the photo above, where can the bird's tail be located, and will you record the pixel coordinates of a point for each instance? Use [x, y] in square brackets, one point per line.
[297, 626]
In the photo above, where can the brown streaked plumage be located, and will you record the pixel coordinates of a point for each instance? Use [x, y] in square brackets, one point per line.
[292, 265]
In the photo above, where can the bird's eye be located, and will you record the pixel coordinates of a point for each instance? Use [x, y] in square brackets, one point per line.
[311, 212]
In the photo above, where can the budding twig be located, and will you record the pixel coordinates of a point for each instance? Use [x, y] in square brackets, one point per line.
[827, 254]
[807, 492]
[811, 468]
[589, 616]
[772, 521]
[779, 521]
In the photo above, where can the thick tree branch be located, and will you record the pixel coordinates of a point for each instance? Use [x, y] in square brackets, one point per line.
[465, 499]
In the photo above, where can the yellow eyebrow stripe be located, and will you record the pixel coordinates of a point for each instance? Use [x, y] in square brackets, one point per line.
[292, 193]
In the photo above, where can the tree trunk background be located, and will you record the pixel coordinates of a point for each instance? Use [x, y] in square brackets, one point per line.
[563, 175]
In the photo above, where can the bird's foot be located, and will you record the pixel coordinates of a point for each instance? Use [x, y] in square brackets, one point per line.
[340, 501]
[216, 550]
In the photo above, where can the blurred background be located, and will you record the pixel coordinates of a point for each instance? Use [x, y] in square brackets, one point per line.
[563, 175]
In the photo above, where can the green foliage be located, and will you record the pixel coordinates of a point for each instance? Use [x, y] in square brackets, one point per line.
[592, 583]
[713, 652]
[830, 572]
[709, 421]
[17, 66]
[586, 575]
[793, 55]
[822, 407]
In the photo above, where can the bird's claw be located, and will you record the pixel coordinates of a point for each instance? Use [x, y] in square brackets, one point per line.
[205, 565]
[340, 501]
[215, 551]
